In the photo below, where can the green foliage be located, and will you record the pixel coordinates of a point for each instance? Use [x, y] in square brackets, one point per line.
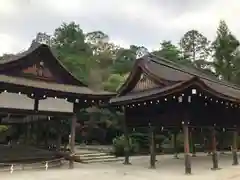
[113, 82]
[69, 43]
[96, 61]
[168, 51]
[196, 48]
[142, 139]
[119, 144]
[225, 49]
[3, 128]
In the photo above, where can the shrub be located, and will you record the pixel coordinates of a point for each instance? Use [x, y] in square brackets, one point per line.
[119, 145]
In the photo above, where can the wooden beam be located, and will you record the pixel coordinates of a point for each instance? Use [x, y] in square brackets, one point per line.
[32, 112]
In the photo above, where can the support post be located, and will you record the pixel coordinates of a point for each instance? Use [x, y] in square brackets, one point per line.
[72, 139]
[175, 148]
[235, 147]
[46, 137]
[152, 147]
[28, 133]
[214, 150]
[193, 143]
[127, 144]
[59, 136]
[187, 159]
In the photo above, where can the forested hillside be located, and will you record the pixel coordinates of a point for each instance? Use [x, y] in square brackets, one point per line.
[103, 65]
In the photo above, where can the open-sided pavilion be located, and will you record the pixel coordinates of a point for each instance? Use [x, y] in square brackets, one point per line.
[160, 93]
[35, 84]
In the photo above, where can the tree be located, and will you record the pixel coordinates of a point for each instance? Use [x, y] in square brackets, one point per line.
[113, 82]
[125, 59]
[69, 38]
[104, 55]
[6, 56]
[225, 48]
[69, 42]
[168, 51]
[195, 47]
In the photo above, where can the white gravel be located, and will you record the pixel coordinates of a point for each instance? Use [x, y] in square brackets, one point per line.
[167, 169]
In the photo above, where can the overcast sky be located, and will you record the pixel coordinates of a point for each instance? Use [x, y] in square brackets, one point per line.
[140, 22]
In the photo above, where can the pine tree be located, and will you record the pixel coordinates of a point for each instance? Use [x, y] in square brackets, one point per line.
[224, 56]
[196, 48]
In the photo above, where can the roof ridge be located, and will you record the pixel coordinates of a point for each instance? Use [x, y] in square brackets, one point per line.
[234, 86]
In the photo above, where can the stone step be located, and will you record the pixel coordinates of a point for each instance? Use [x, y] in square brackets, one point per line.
[101, 160]
[91, 154]
[96, 157]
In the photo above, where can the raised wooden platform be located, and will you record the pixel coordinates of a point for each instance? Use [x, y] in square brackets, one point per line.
[25, 154]
[22, 157]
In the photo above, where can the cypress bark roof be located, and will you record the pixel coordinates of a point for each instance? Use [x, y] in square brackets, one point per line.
[179, 77]
[54, 87]
[37, 48]
[72, 85]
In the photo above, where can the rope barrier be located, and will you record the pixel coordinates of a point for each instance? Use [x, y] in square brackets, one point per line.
[11, 169]
[18, 167]
[46, 166]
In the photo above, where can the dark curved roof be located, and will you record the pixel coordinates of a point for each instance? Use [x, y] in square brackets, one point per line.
[54, 87]
[180, 76]
[39, 48]
[71, 86]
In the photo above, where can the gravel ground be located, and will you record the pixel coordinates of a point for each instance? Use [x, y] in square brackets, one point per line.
[167, 168]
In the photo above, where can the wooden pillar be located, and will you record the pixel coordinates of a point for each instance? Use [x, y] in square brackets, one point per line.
[28, 137]
[193, 143]
[38, 131]
[235, 147]
[59, 135]
[214, 149]
[175, 148]
[127, 143]
[26, 133]
[221, 141]
[46, 137]
[187, 159]
[152, 147]
[127, 147]
[72, 138]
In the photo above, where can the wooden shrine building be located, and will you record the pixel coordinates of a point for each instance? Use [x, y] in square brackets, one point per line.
[160, 93]
[35, 82]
